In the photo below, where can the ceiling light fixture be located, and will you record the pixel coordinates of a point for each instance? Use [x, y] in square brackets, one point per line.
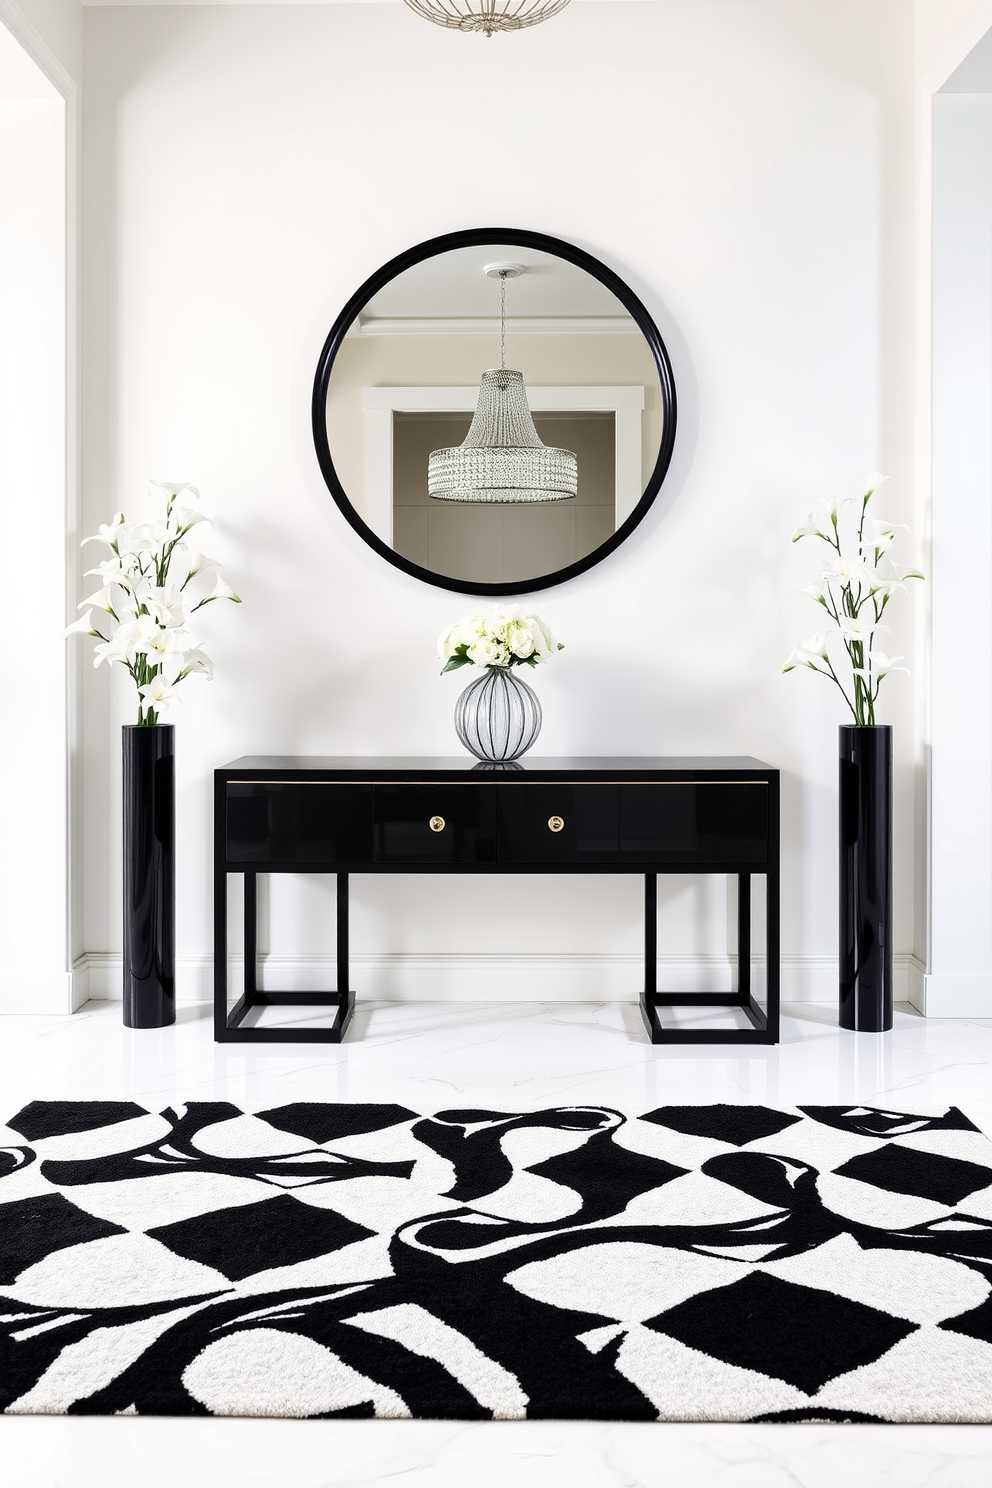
[487, 15]
[502, 458]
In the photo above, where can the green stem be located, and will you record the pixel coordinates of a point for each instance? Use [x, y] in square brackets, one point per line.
[833, 674]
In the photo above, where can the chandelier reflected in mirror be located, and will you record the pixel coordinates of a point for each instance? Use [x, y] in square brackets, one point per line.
[502, 457]
[488, 16]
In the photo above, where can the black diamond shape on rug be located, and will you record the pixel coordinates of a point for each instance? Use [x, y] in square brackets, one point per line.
[975, 1324]
[321, 1122]
[60, 1118]
[868, 1121]
[606, 1176]
[898, 1169]
[30, 1229]
[799, 1334]
[241, 1241]
[735, 1124]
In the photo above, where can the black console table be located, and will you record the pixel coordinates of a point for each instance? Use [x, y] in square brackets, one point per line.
[644, 816]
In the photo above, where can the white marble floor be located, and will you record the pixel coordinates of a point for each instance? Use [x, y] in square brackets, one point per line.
[512, 1057]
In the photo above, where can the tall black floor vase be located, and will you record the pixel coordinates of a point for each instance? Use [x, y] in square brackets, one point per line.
[866, 878]
[149, 877]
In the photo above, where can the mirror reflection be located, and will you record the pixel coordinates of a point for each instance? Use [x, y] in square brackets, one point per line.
[494, 413]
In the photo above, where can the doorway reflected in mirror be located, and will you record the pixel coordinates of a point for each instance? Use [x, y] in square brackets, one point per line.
[400, 380]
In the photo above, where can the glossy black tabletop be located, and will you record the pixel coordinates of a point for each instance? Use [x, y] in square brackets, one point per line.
[426, 767]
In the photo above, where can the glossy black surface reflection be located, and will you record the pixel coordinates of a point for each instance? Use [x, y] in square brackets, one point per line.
[866, 878]
[149, 876]
[558, 823]
[297, 824]
[726, 823]
[626, 815]
[442, 824]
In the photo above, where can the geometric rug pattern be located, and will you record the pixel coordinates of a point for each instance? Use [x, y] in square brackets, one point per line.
[689, 1263]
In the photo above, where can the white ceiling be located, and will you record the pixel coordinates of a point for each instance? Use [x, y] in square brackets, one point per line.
[239, 2]
[454, 284]
[311, 2]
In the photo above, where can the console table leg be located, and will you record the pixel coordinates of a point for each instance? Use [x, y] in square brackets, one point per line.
[251, 938]
[649, 1008]
[220, 952]
[346, 997]
[744, 938]
[650, 933]
[772, 930]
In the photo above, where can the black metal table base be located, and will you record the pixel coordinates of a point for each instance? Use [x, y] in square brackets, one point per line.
[764, 1022]
[229, 1026]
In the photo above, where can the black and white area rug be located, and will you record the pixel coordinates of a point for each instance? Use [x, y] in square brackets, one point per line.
[692, 1263]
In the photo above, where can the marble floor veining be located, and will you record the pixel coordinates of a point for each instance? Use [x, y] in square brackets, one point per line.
[509, 1056]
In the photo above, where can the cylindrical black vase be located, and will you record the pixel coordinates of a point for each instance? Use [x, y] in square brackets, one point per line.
[866, 878]
[149, 876]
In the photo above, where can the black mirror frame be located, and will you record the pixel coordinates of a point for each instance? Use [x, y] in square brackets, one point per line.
[474, 237]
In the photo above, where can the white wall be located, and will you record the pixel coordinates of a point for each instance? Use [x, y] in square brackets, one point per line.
[37, 494]
[959, 980]
[956, 881]
[946, 32]
[748, 168]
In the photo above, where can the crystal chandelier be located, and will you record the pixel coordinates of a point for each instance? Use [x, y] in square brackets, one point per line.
[502, 458]
[487, 15]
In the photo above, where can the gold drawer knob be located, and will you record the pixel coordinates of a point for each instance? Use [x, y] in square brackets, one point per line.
[556, 823]
[436, 823]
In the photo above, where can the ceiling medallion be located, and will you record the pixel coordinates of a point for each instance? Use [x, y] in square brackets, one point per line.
[502, 457]
[488, 16]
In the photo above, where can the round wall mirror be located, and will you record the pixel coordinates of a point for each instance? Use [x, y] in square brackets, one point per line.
[494, 411]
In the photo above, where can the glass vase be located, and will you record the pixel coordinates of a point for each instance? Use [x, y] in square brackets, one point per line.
[498, 716]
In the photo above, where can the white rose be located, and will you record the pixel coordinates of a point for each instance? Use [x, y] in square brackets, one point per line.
[488, 653]
[446, 643]
[520, 640]
[471, 630]
[542, 629]
[542, 643]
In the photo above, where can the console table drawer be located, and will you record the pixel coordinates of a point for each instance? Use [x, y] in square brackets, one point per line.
[435, 824]
[558, 824]
[319, 822]
[688, 821]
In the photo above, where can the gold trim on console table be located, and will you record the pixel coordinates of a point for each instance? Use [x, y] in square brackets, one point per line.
[555, 781]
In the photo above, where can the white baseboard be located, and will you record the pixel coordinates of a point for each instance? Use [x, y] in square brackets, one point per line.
[916, 985]
[545, 978]
[79, 991]
[957, 996]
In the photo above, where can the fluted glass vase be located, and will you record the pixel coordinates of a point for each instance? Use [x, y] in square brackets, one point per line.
[498, 716]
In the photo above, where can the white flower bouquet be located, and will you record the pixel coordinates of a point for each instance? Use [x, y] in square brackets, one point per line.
[507, 638]
[854, 588]
[151, 584]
